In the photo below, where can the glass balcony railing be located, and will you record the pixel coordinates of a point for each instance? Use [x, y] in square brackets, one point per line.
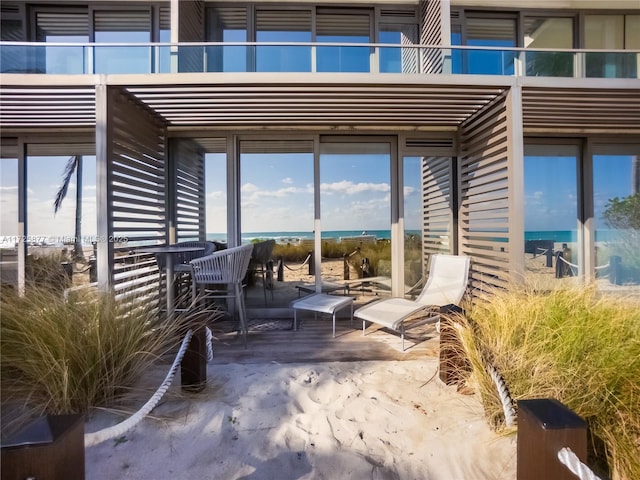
[72, 58]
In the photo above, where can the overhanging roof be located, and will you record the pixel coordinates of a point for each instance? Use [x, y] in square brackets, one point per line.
[322, 101]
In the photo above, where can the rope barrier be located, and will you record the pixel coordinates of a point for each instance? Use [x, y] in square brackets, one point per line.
[298, 268]
[575, 466]
[602, 267]
[510, 415]
[91, 439]
[209, 340]
[574, 268]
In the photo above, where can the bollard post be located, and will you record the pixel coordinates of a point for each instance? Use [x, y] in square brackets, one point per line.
[615, 268]
[93, 270]
[559, 265]
[544, 427]
[312, 270]
[49, 448]
[549, 255]
[280, 269]
[67, 268]
[453, 365]
[345, 266]
[193, 368]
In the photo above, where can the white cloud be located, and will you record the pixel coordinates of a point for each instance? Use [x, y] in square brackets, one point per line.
[347, 187]
[287, 180]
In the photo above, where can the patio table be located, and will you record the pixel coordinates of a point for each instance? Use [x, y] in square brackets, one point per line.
[323, 303]
[169, 251]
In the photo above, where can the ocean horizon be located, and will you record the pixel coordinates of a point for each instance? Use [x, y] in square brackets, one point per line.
[295, 236]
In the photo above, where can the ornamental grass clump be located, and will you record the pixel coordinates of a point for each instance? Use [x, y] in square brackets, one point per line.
[574, 345]
[62, 356]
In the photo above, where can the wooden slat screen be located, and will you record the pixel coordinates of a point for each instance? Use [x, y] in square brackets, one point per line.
[191, 28]
[484, 195]
[437, 206]
[334, 22]
[283, 20]
[138, 214]
[431, 34]
[189, 190]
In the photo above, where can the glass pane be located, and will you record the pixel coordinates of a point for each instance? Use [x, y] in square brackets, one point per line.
[551, 213]
[230, 58]
[632, 32]
[343, 59]
[277, 204]
[355, 211]
[607, 32]
[122, 27]
[490, 32]
[617, 219]
[399, 60]
[164, 60]
[456, 54]
[216, 196]
[334, 27]
[61, 27]
[9, 222]
[412, 222]
[70, 232]
[549, 33]
[283, 58]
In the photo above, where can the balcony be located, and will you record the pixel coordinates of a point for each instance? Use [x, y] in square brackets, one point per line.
[151, 58]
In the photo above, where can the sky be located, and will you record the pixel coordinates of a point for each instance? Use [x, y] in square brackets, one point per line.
[277, 192]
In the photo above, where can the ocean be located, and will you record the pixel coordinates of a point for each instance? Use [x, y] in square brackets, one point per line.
[558, 236]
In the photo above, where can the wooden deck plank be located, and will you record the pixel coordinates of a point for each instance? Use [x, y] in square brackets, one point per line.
[313, 342]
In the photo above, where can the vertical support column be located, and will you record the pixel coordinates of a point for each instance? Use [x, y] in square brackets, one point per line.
[175, 21]
[515, 152]
[586, 250]
[170, 169]
[233, 191]
[22, 216]
[104, 182]
[397, 221]
[317, 224]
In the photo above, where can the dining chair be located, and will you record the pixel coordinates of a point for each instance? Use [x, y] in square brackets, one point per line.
[220, 276]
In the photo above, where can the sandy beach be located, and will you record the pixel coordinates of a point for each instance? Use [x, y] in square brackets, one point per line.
[350, 420]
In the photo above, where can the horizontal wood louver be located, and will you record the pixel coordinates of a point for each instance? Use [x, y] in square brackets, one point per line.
[55, 106]
[437, 206]
[230, 18]
[484, 195]
[283, 20]
[212, 144]
[276, 146]
[138, 213]
[122, 20]
[332, 22]
[62, 23]
[189, 190]
[42, 149]
[165, 18]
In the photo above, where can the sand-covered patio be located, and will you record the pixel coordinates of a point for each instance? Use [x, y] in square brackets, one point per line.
[261, 419]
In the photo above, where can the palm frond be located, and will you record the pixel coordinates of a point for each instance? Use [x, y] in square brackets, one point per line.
[72, 163]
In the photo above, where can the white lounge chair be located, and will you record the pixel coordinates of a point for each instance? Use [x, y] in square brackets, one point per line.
[446, 285]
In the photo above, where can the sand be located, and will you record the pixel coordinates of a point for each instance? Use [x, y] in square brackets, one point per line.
[352, 420]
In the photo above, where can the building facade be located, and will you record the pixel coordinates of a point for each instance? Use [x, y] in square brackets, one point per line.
[500, 130]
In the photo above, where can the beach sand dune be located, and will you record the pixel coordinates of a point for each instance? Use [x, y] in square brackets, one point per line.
[351, 420]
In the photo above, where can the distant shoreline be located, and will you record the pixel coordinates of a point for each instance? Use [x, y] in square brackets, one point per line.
[557, 236]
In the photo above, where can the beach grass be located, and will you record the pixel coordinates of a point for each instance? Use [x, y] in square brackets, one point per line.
[573, 345]
[62, 356]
